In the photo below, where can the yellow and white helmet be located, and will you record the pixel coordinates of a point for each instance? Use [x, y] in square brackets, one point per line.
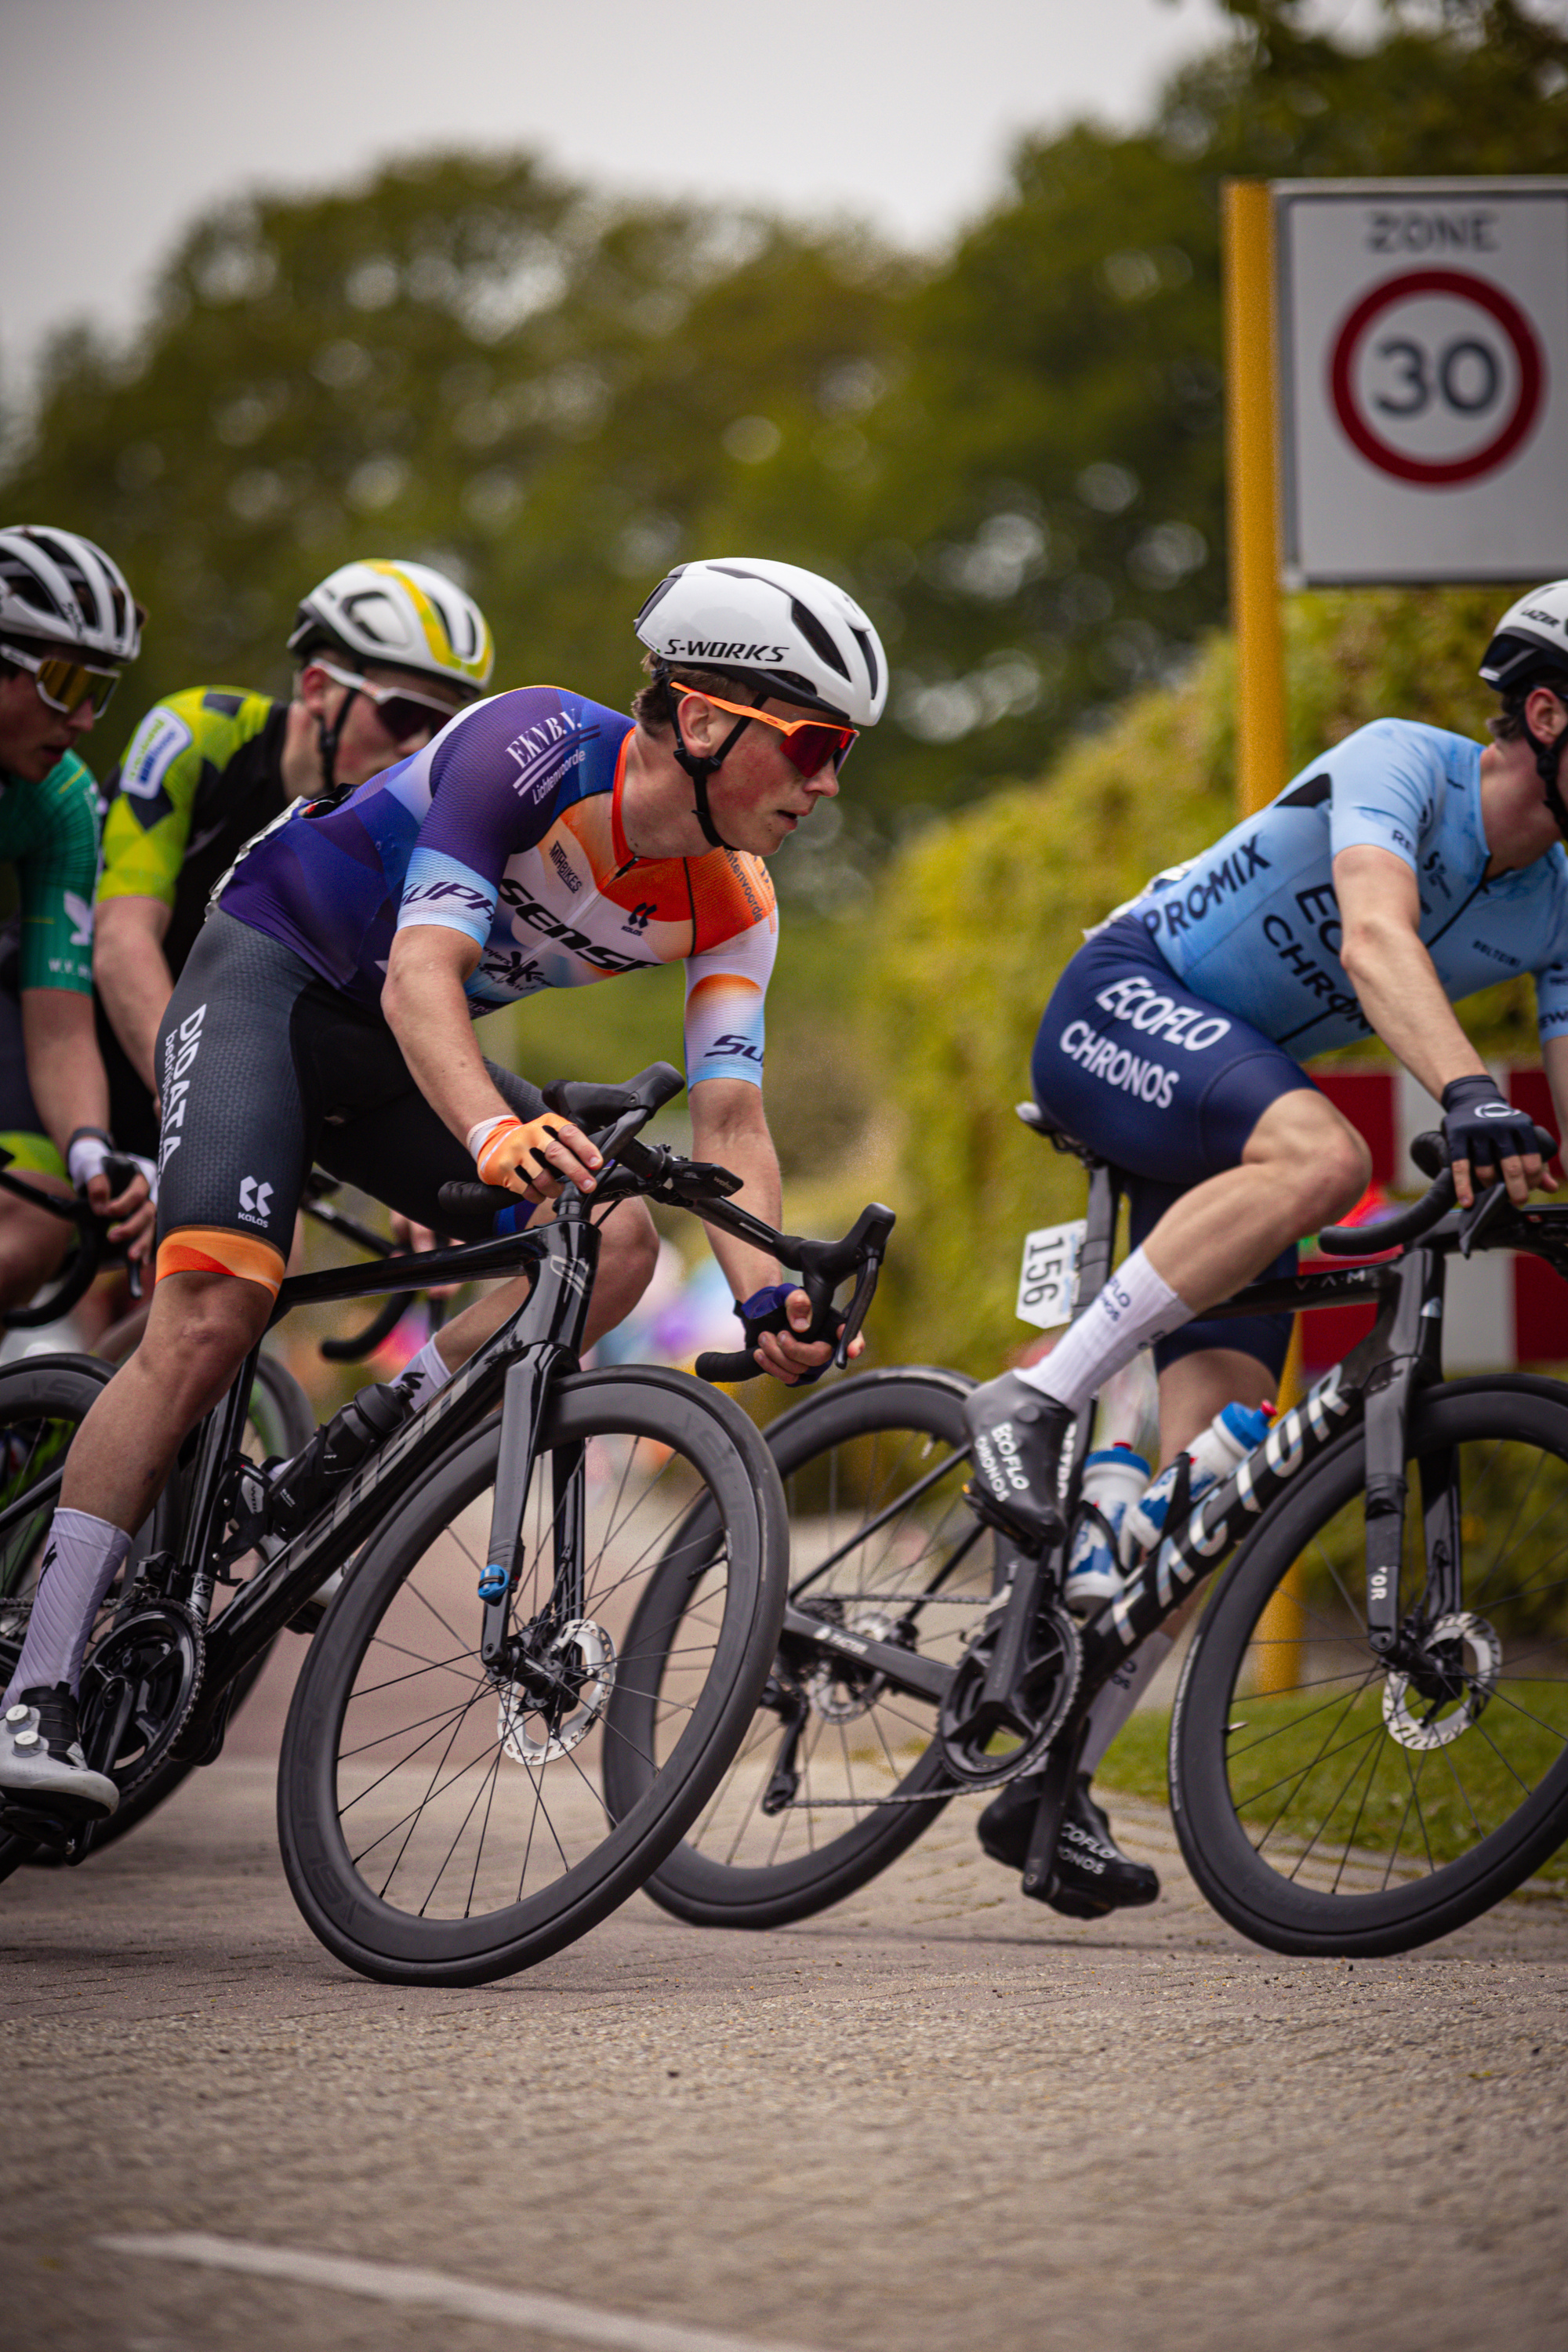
[401, 613]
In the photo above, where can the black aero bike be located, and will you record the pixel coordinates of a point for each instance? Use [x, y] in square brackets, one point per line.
[1369, 1744]
[478, 1765]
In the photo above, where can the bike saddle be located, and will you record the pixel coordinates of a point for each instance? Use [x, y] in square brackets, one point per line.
[1050, 1130]
[588, 1106]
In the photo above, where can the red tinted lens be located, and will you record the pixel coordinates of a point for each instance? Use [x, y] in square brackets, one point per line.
[809, 748]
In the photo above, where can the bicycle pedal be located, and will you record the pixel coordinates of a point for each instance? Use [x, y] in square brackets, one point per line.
[60, 1833]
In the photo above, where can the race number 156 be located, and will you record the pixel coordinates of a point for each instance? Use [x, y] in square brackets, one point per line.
[1047, 1280]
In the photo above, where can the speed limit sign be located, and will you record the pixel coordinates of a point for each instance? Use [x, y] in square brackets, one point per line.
[1424, 340]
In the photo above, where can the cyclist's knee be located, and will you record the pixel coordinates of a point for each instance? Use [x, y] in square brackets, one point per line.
[32, 1246]
[1312, 1154]
[202, 1325]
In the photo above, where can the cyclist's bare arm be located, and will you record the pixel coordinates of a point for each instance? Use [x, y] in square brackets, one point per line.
[425, 1007]
[1554, 1059]
[1400, 994]
[65, 1071]
[134, 976]
[729, 1125]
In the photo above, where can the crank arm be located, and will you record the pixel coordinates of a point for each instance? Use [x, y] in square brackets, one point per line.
[1040, 1868]
[905, 1669]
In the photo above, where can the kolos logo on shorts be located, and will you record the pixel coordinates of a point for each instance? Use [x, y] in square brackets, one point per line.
[255, 1201]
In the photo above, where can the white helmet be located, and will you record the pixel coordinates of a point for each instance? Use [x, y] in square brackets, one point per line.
[1531, 640]
[403, 613]
[772, 625]
[66, 591]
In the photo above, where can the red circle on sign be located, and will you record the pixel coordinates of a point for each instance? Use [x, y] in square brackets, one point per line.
[1433, 474]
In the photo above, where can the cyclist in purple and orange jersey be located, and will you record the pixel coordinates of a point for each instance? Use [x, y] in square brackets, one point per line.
[326, 1012]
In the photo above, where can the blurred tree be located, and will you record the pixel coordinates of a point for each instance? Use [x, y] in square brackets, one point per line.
[1012, 452]
[1048, 531]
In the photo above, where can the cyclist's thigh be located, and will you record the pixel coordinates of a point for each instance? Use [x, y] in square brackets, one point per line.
[399, 1152]
[21, 1129]
[238, 1121]
[1145, 1072]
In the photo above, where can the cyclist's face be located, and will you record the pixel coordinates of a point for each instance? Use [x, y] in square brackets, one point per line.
[33, 738]
[366, 745]
[759, 797]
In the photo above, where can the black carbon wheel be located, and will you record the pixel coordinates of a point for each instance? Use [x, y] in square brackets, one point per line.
[442, 1826]
[873, 1469]
[1328, 1804]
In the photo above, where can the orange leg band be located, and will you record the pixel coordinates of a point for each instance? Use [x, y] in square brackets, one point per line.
[209, 1249]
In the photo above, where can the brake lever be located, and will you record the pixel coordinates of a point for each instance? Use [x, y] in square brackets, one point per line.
[1479, 1216]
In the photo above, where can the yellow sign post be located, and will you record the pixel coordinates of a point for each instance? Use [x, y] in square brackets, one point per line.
[1261, 753]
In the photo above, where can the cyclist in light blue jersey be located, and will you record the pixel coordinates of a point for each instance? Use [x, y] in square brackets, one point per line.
[1405, 869]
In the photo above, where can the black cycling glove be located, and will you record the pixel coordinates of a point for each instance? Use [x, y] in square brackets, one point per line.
[766, 1311]
[1479, 1127]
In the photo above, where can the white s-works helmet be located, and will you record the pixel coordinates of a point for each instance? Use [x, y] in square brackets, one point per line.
[401, 613]
[774, 626]
[60, 589]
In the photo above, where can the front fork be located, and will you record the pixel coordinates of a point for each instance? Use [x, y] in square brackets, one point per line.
[1414, 1359]
[565, 1281]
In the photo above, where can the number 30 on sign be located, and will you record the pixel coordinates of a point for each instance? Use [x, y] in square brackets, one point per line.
[1047, 1280]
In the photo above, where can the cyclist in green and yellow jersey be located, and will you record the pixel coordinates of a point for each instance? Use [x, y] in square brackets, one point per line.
[68, 623]
[387, 652]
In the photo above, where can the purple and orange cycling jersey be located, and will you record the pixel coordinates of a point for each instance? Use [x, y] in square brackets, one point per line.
[508, 827]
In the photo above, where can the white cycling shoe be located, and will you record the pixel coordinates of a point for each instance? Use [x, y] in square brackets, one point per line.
[41, 1760]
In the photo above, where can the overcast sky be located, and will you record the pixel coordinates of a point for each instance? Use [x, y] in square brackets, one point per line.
[119, 119]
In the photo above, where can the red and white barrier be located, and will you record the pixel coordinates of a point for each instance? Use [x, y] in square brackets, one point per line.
[1501, 1310]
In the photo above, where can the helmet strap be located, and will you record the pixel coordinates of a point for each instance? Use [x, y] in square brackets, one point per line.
[326, 738]
[1548, 760]
[700, 768]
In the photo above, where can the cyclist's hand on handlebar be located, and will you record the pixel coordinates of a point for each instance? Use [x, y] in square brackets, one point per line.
[772, 1319]
[1488, 1138]
[97, 1171]
[535, 1156]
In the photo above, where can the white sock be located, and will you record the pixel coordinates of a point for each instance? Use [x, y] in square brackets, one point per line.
[1136, 1308]
[1120, 1696]
[81, 1560]
[424, 1374]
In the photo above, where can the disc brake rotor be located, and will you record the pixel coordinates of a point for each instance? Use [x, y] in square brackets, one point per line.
[986, 1744]
[837, 1689]
[583, 1658]
[1465, 1679]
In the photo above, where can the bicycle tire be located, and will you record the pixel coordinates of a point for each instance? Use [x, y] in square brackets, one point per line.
[609, 1440]
[856, 1446]
[1297, 1739]
[43, 1399]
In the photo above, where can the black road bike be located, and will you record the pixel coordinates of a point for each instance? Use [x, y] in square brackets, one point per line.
[477, 1764]
[1370, 1739]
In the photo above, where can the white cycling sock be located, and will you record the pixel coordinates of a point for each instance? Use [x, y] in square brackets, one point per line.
[1136, 1308]
[81, 1559]
[1120, 1696]
[424, 1374]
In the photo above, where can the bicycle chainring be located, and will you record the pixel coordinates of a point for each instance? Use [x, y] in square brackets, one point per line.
[984, 1744]
[137, 1689]
[1438, 1701]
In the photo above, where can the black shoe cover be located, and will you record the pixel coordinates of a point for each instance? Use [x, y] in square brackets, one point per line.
[1016, 1439]
[1093, 1876]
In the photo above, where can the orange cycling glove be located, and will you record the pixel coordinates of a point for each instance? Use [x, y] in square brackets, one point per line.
[511, 1153]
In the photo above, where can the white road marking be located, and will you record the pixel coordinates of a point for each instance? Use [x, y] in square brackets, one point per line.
[391, 2283]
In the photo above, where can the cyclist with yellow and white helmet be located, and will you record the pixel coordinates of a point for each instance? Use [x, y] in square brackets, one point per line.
[386, 653]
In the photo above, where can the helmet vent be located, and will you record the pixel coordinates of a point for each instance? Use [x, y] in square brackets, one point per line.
[816, 637]
[867, 654]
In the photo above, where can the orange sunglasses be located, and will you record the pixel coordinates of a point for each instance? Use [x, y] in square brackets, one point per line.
[808, 743]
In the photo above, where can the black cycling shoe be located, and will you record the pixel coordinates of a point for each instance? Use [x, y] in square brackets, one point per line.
[1016, 1438]
[1093, 1876]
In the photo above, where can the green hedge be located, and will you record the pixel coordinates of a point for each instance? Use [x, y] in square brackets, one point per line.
[977, 916]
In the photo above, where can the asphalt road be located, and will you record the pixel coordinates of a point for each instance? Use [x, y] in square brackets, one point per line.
[937, 2117]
